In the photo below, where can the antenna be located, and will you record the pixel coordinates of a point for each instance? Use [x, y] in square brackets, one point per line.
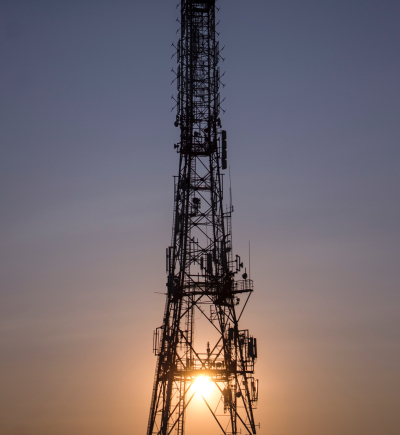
[249, 262]
[230, 190]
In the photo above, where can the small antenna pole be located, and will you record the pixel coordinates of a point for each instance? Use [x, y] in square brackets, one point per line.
[249, 262]
[230, 190]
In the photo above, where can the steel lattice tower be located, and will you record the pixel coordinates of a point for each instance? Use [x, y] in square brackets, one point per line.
[200, 264]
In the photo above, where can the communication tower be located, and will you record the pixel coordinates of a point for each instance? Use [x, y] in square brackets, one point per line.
[200, 264]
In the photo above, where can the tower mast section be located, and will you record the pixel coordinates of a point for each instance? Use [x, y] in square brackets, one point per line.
[200, 265]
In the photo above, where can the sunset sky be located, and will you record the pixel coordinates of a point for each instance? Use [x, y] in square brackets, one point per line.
[313, 121]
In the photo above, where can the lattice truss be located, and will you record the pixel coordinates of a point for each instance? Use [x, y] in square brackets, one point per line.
[200, 265]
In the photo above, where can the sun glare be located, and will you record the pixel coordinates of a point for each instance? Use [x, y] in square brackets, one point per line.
[202, 385]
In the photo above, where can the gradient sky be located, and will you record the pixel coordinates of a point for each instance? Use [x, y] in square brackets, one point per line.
[312, 115]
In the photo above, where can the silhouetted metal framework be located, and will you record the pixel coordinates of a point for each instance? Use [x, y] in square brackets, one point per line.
[200, 264]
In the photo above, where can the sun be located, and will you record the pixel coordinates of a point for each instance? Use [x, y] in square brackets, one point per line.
[202, 385]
